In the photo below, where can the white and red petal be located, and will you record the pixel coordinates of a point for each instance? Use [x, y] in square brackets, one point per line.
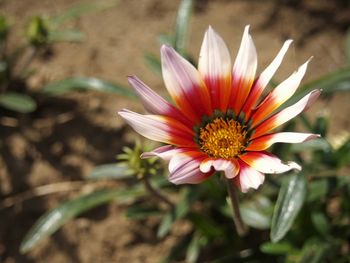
[244, 70]
[267, 163]
[265, 141]
[185, 85]
[154, 103]
[279, 95]
[184, 168]
[160, 128]
[285, 115]
[229, 167]
[248, 177]
[215, 68]
[165, 152]
[264, 79]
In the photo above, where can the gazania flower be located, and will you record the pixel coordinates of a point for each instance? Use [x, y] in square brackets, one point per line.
[218, 121]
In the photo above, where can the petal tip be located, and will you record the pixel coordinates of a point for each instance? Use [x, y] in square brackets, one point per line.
[131, 78]
[294, 166]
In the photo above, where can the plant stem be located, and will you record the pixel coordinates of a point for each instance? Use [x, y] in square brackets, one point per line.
[237, 218]
[155, 192]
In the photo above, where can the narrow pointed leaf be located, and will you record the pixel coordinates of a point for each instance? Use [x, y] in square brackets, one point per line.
[81, 9]
[290, 199]
[194, 248]
[68, 35]
[17, 102]
[142, 212]
[320, 222]
[165, 225]
[342, 155]
[317, 252]
[153, 62]
[281, 248]
[180, 211]
[318, 190]
[166, 39]
[206, 225]
[312, 145]
[111, 171]
[183, 16]
[338, 80]
[256, 215]
[57, 217]
[84, 83]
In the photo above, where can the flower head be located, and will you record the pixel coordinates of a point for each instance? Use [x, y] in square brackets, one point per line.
[217, 121]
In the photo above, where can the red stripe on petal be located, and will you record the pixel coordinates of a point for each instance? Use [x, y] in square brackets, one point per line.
[264, 79]
[215, 68]
[244, 71]
[165, 152]
[185, 85]
[160, 128]
[279, 95]
[285, 115]
[264, 142]
[154, 103]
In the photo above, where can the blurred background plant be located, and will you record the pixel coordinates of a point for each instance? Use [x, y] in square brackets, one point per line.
[292, 218]
[39, 35]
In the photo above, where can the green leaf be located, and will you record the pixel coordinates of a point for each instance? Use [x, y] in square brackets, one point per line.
[321, 126]
[315, 251]
[320, 221]
[194, 248]
[206, 225]
[141, 212]
[312, 145]
[177, 250]
[289, 202]
[111, 171]
[51, 221]
[84, 83]
[153, 62]
[281, 248]
[318, 190]
[183, 16]
[338, 80]
[68, 35]
[342, 155]
[80, 9]
[180, 211]
[17, 102]
[166, 39]
[257, 212]
[165, 225]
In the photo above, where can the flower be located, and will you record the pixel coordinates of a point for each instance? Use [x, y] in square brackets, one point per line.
[217, 122]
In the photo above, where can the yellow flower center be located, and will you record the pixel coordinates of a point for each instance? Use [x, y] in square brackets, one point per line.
[222, 138]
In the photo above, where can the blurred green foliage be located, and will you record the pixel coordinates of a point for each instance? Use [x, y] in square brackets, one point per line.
[40, 33]
[294, 218]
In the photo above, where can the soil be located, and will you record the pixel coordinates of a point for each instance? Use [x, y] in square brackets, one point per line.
[68, 135]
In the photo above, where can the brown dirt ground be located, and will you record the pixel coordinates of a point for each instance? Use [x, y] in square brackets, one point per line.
[66, 137]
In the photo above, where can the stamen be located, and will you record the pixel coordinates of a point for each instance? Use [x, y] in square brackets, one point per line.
[222, 138]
